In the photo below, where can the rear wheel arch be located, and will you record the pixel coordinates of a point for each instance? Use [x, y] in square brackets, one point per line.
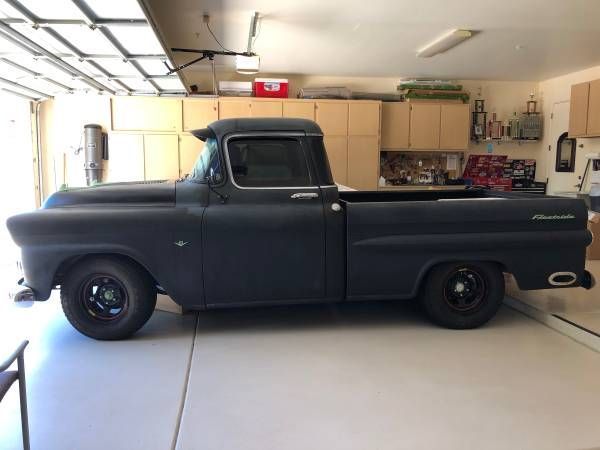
[422, 278]
[477, 297]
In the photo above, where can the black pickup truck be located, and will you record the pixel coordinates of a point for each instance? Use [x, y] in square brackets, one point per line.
[260, 221]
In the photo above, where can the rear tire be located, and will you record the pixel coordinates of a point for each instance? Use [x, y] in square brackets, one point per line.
[107, 298]
[463, 295]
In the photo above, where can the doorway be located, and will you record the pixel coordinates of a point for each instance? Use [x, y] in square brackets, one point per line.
[17, 180]
[559, 181]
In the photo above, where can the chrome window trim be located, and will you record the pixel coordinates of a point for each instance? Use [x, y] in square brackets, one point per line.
[254, 134]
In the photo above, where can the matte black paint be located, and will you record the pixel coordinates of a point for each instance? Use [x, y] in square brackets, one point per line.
[260, 246]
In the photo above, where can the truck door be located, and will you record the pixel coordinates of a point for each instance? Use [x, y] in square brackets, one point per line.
[266, 241]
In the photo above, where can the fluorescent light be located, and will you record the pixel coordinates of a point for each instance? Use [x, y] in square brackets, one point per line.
[443, 43]
[247, 65]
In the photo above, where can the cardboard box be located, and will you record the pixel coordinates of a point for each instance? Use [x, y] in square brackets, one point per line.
[593, 251]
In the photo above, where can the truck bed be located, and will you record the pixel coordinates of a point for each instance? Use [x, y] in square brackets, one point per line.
[393, 238]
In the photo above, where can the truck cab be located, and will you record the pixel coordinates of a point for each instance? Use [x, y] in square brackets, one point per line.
[274, 222]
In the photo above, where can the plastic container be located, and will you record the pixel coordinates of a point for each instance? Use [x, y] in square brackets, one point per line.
[271, 87]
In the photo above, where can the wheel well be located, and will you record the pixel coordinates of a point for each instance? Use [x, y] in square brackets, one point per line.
[68, 263]
[426, 272]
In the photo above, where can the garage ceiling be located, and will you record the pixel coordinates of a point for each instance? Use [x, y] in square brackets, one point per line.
[54, 46]
[516, 39]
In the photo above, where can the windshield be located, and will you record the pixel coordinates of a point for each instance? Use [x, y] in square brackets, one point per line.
[207, 163]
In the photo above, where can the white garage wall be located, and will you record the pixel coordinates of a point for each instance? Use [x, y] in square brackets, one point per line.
[17, 180]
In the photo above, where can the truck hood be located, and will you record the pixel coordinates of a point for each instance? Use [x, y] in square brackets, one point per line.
[115, 194]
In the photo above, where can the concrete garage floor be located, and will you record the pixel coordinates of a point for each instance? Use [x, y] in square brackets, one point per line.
[356, 376]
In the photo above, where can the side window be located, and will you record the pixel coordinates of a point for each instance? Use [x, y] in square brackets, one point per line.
[264, 162]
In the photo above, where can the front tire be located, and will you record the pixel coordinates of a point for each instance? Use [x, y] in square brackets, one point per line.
[107, 298]
[463, 295]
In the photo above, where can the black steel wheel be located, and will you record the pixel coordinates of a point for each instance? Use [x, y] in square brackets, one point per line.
[107, 297]
[104, 297]
[464, 289]
[463, 295]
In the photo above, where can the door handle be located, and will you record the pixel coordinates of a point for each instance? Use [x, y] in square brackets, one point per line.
[304, 195]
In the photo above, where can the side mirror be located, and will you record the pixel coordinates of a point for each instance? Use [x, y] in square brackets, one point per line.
[214, 177]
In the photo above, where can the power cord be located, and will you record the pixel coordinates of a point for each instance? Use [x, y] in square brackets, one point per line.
[215, 38]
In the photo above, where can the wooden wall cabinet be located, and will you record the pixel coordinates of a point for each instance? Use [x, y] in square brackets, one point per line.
[162, 148]
[146, 114]
[266, 108]
[336, 148]
[363, 162]
[232, 108]
[593, 113]
[332, 117]
[424, 125]
[395, 124]
[578, 109]
[161, 156]
[584, 109]
[364, 126]
[299, 109]
[189, 150]
[364, 119]
[198, 113]
[454, 126]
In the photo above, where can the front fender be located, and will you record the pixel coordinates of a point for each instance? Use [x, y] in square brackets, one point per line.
[41, 263]
[147, 235]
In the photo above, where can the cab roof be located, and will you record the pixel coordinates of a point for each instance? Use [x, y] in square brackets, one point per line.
[223, 127]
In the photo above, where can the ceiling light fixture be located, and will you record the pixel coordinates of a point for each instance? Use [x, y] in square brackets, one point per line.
[444, 43]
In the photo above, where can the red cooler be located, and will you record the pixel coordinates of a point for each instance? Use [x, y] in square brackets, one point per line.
[271, 87]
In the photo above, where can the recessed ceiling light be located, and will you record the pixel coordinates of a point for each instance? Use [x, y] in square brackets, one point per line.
[444, 43]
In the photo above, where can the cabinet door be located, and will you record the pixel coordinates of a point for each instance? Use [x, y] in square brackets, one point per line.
[337, 153]
[578, 109]
[198, 113]
[424, 125]
[266, 109]
[454, 126]
[593, 112]
[363, 118]
[395, 122]
[332, 117]
[229, 109]
[189, 150]
[146, 114]
[161, 156]
[125, 158]
[363, 162]
[299, 110]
